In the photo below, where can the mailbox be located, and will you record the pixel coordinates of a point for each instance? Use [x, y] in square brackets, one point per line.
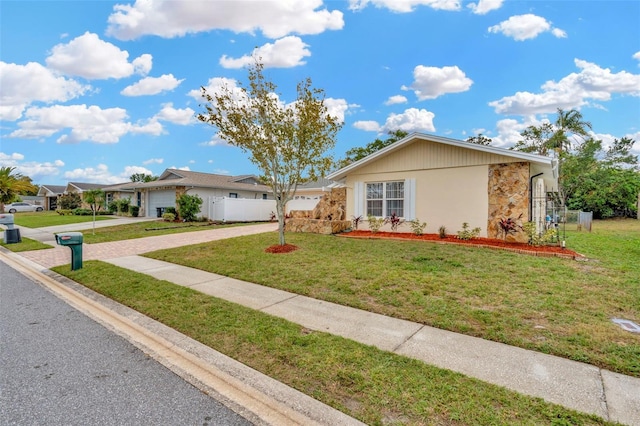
[74, 241]
[11, 234]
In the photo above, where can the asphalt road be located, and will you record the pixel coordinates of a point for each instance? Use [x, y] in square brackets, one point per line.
[59, 367]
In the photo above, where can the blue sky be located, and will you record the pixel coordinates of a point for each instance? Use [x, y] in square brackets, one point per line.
[94, 91]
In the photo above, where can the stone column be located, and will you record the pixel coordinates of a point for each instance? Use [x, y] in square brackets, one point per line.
[508, 198]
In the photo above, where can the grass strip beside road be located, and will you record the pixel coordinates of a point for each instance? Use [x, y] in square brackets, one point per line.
[556, 306]
[26, 244]
[374, 386]
[150, 229]
[51, 218]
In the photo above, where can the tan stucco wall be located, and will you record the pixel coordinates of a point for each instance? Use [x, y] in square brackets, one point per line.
[444, 197]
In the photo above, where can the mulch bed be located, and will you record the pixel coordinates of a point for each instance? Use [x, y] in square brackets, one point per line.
[287, 248]
[546, 250]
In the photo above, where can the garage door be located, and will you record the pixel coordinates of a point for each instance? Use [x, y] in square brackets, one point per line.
[160, 199]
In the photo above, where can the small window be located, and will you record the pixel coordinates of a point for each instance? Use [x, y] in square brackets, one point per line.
[233, 195]
[385, 198]
[264, 196]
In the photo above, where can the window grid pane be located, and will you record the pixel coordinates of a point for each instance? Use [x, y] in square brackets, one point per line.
[395, 206]
[374, 191]
[374, 208]
[395, 190]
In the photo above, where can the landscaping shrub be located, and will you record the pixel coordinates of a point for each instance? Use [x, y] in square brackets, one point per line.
[135, 210]
[417, 227]
[375, 223]
[468, 234]
[188, 207]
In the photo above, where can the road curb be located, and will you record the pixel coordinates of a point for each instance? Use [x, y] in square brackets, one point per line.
[257, 397]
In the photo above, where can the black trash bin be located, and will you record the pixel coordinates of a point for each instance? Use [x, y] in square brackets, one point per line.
[12, 236]
[159, 211]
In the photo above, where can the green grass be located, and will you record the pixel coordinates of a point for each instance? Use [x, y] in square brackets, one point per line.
[377, 387]
[26, 244]
[51, 218]
[148, 229]
[556, 306]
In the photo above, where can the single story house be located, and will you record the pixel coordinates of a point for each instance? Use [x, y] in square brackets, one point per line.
[50, 193]
[447, 182]
[154, 197]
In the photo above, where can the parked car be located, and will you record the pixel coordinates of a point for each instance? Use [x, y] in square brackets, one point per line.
[22, 207]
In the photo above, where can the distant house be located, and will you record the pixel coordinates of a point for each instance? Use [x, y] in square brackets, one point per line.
[112, 192]
[446, 182]
[154, 197]
[50, 193]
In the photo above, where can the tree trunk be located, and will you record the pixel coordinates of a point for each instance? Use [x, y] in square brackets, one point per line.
[280, 211]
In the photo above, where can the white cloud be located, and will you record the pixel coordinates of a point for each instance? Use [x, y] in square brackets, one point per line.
[176, 116]
[405, 6]
[485, 6]
[559, 33]
[637, 56]
[286, 52]
[152, 85]
[25, 84]
[411, 120]
[91, 123]
[572, 91]
[337, 108]
[10, 160]
[170, 19]
[215, 141]
[132, 170]
[215, 85]
[524, 27]
[32, 169]
[89, 57]
[153, 161]
[98, 174]
[508, 132]
[396, 99]
[368, 126]
[432, 82]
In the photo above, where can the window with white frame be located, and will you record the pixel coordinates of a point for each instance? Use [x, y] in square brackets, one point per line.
[385, 198]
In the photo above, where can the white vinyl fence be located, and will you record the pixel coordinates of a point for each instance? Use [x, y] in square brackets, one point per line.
[302, 204]
[239, 209]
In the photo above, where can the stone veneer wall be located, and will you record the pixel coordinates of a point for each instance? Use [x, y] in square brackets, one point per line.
[508, 198]
[326, 218]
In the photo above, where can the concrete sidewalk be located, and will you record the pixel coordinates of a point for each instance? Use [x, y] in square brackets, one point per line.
[575, 385]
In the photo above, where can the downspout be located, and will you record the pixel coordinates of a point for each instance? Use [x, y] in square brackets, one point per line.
[531, 195]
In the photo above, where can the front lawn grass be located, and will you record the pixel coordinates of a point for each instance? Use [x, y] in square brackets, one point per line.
[51, 218]
[557, 306]
[375, 386]
[26, 244]
[149, 229]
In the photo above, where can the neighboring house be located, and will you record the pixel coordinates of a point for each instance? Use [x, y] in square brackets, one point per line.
[119, 191]
[51, 194]
[447, 182]
[154, 197]
[111, 191]
[309, 194]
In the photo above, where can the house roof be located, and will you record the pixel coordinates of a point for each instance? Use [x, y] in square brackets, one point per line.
[81, 186]
[175, 177]
[50, 190]
[546, 162]
[118, 187]
[320, 184]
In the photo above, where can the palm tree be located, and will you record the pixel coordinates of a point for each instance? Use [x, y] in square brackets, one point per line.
[567, 122]
[12, 183]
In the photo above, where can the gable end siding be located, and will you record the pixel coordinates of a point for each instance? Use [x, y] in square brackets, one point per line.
[425, 155]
